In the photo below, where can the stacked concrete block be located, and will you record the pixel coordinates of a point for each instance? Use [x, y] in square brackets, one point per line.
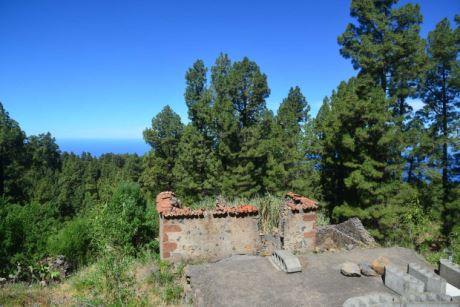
[401, 282]
[373, 300]
[433, 283]
[450, 271]
[286, 261]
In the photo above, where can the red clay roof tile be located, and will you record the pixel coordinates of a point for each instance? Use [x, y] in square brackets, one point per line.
[301, 202]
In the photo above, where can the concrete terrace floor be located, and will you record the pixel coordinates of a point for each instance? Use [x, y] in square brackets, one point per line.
[253, 281]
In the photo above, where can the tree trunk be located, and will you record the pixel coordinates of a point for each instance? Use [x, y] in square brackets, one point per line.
[445, 134]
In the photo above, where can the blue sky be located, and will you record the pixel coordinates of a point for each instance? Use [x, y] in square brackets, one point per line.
[103, 69]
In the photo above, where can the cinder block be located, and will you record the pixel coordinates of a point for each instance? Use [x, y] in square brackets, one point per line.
[286, 261]
[373, 300]
[450, 271]
[433, 283]
[427, 300]
[401, 282]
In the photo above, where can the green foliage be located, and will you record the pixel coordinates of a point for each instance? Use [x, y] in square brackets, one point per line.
[164, 137]
[12, 156]
[23, 234]
[196, 169]
[359, 150]
[73, 241]
[121, 223]
[454, 241]
[287, 168]
[166, 279]
[440, 93]
[385, 44]
[117, 281]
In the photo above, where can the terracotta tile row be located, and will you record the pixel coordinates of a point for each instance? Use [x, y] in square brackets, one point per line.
[300, 202]
[183, 212]
[240, 210]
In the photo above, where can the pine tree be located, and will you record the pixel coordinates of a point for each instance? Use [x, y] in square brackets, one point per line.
[12, 158]
[164, 137]
[440, 93]
[359, 147]
[44, 164]
[286, 163]
[197, 168]
[198, 98]
[239, 91]
[386, 45]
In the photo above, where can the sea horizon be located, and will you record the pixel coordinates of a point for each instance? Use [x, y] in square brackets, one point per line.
[99, 146]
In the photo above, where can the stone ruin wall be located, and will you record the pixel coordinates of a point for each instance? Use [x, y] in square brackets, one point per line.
[187, 234]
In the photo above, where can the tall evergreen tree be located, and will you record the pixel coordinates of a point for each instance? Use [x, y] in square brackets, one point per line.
[440, 93]
[198, 97]
[240, 90]
[12, 158]
[288, 153]
[360, 149]
[164, 137]
[197, 168]
[44, 164]
[386, 45]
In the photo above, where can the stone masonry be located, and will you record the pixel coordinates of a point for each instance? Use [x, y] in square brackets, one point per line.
[187, 234]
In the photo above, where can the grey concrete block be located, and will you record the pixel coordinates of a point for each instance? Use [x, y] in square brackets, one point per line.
[433, 282]
[450, 271]
[401, 282]
[373, 300]
[427, 300]
[286, 261]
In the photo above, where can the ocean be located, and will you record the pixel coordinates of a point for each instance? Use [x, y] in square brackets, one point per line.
[97, 147]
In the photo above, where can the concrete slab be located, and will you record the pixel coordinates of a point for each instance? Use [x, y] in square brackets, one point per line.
[252, 281]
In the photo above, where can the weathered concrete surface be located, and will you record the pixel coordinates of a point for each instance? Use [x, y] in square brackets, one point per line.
[252, 281]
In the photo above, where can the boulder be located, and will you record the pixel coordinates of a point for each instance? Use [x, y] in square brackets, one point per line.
[379, 264]
[2, 281]
[58, 265]
[366, 270]
[350, 269]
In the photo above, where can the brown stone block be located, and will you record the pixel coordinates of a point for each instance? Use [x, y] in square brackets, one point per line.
[310, 234]
[308, 217]
[171, 228]
[169, 247]
[166, 254]
[165, 238]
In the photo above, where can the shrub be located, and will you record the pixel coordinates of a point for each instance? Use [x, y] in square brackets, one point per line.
[122, 222]
[24, 231]
[73, 241]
